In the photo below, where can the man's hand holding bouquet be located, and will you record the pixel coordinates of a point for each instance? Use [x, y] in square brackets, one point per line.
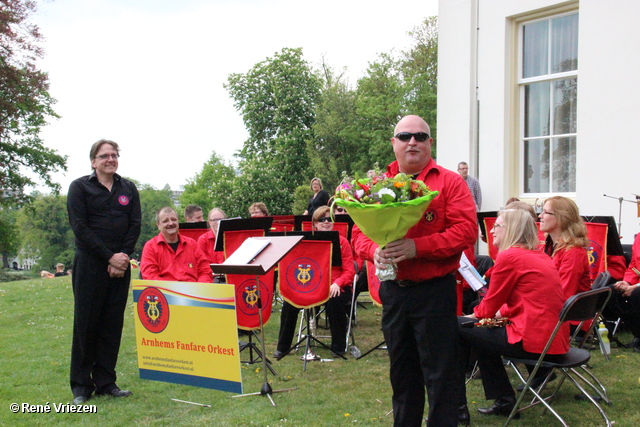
[384, 208]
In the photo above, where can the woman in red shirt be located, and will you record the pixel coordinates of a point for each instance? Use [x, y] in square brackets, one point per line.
[566, 244]
[525, 289]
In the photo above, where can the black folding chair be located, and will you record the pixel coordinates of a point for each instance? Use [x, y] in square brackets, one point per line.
[584, 307]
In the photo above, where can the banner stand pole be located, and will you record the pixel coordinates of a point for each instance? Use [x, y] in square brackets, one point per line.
[266, 389]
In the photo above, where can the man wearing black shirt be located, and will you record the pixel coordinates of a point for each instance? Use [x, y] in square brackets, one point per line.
[104, 212]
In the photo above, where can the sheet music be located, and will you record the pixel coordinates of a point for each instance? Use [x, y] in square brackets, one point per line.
[470, 274]
[249, 249]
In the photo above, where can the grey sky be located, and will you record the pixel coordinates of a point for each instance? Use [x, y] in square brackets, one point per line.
[148, 74]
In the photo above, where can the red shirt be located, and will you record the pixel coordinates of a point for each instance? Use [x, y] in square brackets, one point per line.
[525, 287]
[573, 266]
[343, 276]
[186, 264]
[206, 243]
[630, 276]
[447, 228]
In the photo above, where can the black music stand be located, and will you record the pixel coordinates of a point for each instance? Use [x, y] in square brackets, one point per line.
[260, 265]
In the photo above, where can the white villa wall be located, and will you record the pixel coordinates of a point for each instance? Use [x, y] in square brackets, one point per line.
[608, 156]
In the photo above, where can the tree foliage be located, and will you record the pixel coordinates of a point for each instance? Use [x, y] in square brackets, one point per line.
[277, 99]
[25, 105]
[420, 70]
[151, 200]
[336, 146]
[304, 123]
[45, 231]
[211, 187]
[9, 236]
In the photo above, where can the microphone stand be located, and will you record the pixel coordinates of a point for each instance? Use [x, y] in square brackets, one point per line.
[620, 200]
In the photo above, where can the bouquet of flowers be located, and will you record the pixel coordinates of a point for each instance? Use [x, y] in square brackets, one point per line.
[384, 208]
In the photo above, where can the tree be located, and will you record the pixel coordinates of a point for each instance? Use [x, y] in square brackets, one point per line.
[45, 231]
[336, 145]
[420, 73]
[151, 200]
[25, 104]
[277, 99]
[211, 187]
[379, 105]
[9, 235]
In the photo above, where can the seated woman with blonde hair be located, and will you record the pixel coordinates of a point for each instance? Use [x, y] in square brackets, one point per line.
[525, 289]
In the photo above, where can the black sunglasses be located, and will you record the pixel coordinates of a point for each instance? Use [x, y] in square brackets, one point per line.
[324, 219]
[406, 136]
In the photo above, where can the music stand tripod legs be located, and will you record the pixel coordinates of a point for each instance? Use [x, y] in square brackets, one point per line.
[266, 389]
[307, 340]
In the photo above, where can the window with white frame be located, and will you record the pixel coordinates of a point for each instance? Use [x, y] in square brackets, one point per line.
[548, 81]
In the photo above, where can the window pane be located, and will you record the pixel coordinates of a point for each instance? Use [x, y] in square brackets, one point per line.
[564, 165]
[565, 106]
[564, 44]
[536, 49]
[536, 160]
[536, 109]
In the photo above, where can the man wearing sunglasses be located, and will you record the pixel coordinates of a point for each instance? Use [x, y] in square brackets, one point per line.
[419, 307]
[105, 216]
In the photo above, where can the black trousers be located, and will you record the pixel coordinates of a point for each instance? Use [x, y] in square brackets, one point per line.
[627, 308]
[490, 344]
[98, 316]
[420, 328]
[337, 310]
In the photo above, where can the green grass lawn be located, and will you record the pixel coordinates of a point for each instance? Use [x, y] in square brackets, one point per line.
[36, 321]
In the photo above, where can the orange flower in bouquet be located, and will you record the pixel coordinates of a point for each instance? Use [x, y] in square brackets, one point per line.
[384, 208]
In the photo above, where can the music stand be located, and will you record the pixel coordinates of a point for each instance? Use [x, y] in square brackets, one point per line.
[260, 265]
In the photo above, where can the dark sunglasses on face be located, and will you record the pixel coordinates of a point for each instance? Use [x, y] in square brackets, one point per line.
[324, 219]
[340, 210]
[406, 136]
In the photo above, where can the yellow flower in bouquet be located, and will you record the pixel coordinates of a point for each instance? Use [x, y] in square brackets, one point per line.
[385, 208]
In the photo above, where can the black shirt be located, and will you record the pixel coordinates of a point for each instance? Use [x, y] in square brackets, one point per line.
[104, 222]
[320, 199]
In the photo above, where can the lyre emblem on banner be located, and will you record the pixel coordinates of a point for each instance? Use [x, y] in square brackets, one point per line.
[251, 295]
[303, 273]
[153, 312]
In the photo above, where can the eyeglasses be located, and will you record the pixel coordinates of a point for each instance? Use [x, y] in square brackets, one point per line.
[108, 156]
[406, 136]
[341, 210]
[548, 213]
[324, 219]
[496, 225]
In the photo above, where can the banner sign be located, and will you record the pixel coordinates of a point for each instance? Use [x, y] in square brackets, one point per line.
[305, 274]
[374, 284]
[186, 333]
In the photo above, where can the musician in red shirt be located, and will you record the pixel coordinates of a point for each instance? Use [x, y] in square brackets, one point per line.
[207, 241]
[525, 289]
[172, 257]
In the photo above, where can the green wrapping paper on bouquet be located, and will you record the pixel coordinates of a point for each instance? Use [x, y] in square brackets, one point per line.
[386, 223]
[384, 209]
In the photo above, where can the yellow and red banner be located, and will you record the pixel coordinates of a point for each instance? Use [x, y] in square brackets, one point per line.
[305, 274]
[186, 334]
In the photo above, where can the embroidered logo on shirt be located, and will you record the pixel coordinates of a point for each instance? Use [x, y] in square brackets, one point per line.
[429, 216]
[123, 200]
[190, 265]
